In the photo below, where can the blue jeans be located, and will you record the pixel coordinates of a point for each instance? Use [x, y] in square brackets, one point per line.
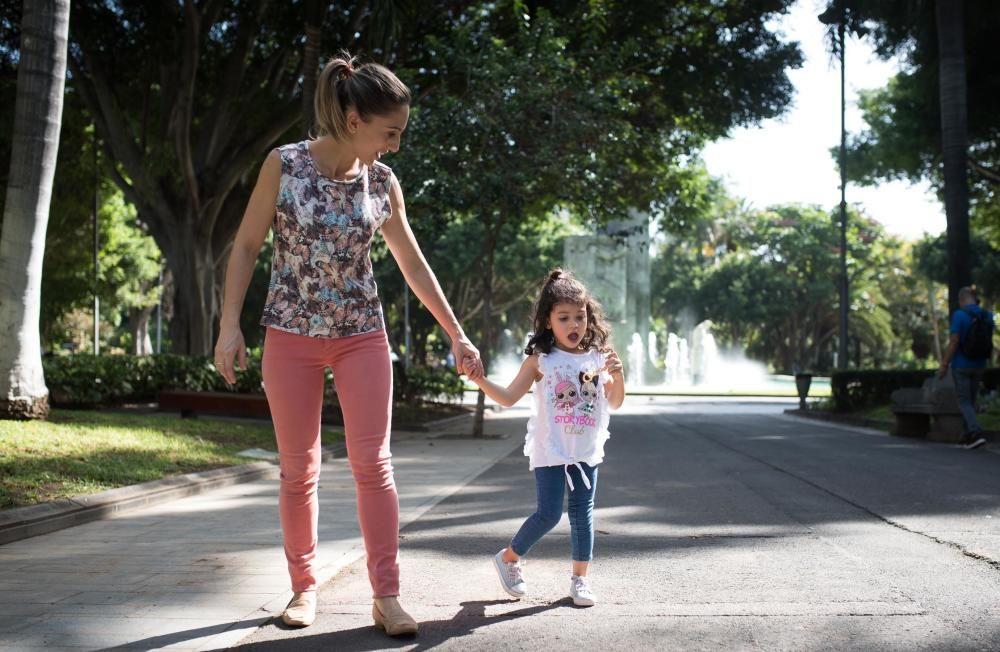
[967, 387]
[550, 485]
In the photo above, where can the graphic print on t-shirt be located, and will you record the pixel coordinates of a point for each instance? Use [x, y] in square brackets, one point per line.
[574, 396]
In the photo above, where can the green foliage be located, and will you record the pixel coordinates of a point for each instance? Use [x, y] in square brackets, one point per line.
[525, 251]
[425, 383]
[521, 109]
[87, 381]
[767, 280]
[902, 139]
[931, 262]
[522, 115]
[858, 390]
[129, 258]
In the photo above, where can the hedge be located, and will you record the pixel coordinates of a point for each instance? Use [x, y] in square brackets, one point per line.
[86, 381]
[860, 389]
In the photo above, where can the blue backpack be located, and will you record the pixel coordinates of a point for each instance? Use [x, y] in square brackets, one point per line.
[978, 341]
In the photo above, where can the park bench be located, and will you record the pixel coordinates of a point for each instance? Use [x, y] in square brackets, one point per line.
[191, 404]
[930, 411]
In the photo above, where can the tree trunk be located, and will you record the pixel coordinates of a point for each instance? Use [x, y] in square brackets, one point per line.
[196, 308]
[138, 320]
[310, 61]
[954, 137]
[192, 215]
[934, 321]
[485, 345]
[41, 78]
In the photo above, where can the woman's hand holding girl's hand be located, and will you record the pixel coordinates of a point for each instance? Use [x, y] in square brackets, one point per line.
[467, 359]
[228, 347]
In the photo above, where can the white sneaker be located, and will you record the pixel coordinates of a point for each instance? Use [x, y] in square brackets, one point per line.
[580, 591]
[510, 575]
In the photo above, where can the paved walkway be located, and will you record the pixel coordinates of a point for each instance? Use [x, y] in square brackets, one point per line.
[203, 572]
[720, 526]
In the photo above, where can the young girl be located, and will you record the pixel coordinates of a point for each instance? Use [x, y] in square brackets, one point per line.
[577, 378]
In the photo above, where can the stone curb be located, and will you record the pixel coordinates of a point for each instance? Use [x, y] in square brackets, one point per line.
[25, 522]
[876, 424]
[431, 426]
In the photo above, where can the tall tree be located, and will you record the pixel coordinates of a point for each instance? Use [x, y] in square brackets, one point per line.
[522, 113]
[954, 140]
[937, 120]
[37, 115]
[188, 97]
[766, 280]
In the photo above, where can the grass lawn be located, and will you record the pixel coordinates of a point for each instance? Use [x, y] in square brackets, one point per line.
[85, 452]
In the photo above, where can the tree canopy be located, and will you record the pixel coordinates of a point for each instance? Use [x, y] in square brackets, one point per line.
[904, 135]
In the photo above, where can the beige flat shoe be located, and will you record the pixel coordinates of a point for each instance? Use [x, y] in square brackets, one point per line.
[390, 616]
[301, 611]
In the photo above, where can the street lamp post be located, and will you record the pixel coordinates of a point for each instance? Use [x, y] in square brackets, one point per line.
[843, 203]
[835, 15]
[97, 249]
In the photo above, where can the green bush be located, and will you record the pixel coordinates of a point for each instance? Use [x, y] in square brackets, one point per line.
[86, 380]
[428, 384]
[857, 390]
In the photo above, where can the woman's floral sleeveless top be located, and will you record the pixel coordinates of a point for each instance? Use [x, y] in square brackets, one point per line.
[321, 277]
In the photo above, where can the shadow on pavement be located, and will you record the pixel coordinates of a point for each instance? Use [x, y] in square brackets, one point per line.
[432, 633]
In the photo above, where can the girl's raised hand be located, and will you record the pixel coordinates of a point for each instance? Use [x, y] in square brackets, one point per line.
[612, 363]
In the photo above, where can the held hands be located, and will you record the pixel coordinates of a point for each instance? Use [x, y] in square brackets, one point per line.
[467, 359]
[230, 346]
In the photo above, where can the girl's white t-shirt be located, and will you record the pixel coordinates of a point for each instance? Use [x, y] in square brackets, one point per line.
[569, 422]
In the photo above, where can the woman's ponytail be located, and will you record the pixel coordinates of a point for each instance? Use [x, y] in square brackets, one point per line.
[370, 89]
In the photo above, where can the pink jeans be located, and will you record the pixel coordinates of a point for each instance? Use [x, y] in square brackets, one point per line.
[293, 381]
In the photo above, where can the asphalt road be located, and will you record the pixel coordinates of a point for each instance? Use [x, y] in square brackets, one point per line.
[721, 525]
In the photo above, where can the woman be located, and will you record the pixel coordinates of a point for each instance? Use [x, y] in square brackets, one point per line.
[324, 199]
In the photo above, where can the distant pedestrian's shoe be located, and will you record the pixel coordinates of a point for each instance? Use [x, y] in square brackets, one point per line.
[580, 591]
[301, 611]
[510, 575]
[975, 441]
[390, 616]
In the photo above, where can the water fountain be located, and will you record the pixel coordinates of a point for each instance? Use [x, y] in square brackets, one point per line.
[636, 370]
[653, 357]
[684, 369]
[508, 358]
[672, 360]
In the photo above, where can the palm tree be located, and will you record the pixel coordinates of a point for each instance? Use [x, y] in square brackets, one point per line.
[41, 77]
[954, 130]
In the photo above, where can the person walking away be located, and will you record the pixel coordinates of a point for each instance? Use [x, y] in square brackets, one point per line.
[969, 349]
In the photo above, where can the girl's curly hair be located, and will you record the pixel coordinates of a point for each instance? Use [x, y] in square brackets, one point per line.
[561, 287]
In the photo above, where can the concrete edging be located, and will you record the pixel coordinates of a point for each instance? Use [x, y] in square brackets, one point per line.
[861, 422]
